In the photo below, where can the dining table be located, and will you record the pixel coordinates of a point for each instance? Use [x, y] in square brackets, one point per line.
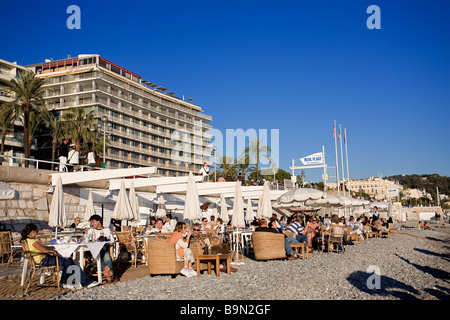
[67, 249]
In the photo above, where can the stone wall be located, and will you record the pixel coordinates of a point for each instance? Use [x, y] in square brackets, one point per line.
[32, 205]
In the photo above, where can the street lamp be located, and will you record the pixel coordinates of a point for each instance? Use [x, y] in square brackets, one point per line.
[104, 120]
[214, 153]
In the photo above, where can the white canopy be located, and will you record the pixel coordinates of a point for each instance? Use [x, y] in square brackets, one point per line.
[122, 209]
[297, 197]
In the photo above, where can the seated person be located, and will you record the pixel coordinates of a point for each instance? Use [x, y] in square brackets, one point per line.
[159, 227]
[377, 225]
[46, 257]
[146, 230]
[297, 228]
[205, 225]
[170, 224]
[183, 252]
[221, 230]
[263, 227]
[98, 232]
[204, 243]
[76, 222]
[312, 229]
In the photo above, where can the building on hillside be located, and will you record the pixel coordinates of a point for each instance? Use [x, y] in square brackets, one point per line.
[378, 188]
[146, 126]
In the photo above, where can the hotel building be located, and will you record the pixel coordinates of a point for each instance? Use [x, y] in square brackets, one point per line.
[141, 120]
[376, 187]
[14, 136]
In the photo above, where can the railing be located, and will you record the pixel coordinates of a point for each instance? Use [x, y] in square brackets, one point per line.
[34, 163]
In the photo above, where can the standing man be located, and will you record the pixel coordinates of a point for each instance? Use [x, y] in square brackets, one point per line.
[204, 171]
[63, 153]
[375, 212]
[74, 158]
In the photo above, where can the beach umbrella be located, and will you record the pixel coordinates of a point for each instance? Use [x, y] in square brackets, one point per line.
[134, 203]
[191, 209]
[161, 211]
[250, 214]
[90, 211]
[325, 202]
[122, 209]
[57, 217]
[237, 218]
[265, 207]
[224, 209]
[297, 197]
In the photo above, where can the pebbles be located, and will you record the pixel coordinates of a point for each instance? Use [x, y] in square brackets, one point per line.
[409, 268]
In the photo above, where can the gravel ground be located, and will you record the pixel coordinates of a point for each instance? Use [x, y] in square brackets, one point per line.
[414, 266]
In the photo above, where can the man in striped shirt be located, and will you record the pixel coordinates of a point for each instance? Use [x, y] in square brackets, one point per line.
[297, 228]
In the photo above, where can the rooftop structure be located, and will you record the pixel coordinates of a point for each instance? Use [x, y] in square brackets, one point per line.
[143, 122]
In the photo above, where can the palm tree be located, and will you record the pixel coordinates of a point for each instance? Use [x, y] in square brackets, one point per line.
[255, 151]
[81, 126]
[57, 132]
[27, 91]
[227, 165]
[6, 122]
[244, 165]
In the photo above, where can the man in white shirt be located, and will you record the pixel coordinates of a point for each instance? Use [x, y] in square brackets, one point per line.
[170, 224]
[158, 226]
[73, 158]
[204, 171]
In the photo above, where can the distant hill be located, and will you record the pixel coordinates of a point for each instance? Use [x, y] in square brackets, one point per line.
[424, 181]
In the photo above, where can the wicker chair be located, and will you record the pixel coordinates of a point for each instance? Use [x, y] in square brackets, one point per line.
[132, 246]
[7, 248]
[44, 236]
[336, 238]
[162, 257]
[36, 269]
[268, 245]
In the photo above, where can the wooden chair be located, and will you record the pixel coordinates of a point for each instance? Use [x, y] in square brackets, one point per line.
[353, 236]
[336, 238]
[268, 245]
[198, 251]
[162, 257]
[370, 234]
[384, 232]
[391, 228]
[44, 236]
[132, 246]
[7, 248]
[37, 269]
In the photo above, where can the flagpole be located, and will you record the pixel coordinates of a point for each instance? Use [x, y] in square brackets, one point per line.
[342, 162]
[346, 152]
[337, 163]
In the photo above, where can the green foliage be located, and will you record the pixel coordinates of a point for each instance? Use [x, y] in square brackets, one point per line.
[427, 182]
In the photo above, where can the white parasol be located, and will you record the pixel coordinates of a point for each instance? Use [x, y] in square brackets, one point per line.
[191, 209]
[134, 203]
[237, 218]
[161, 211]
[250, 214]
[90, 211]
[297, 197]
[224, 210]
[265, 207]
[57, 217]
[122, 209]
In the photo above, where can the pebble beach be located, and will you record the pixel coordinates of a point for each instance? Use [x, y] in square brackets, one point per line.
[414, 264]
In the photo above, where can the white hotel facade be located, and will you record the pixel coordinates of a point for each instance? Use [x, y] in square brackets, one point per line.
[141, 120]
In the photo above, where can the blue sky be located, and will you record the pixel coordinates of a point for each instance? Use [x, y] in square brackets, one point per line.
[290, 65]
